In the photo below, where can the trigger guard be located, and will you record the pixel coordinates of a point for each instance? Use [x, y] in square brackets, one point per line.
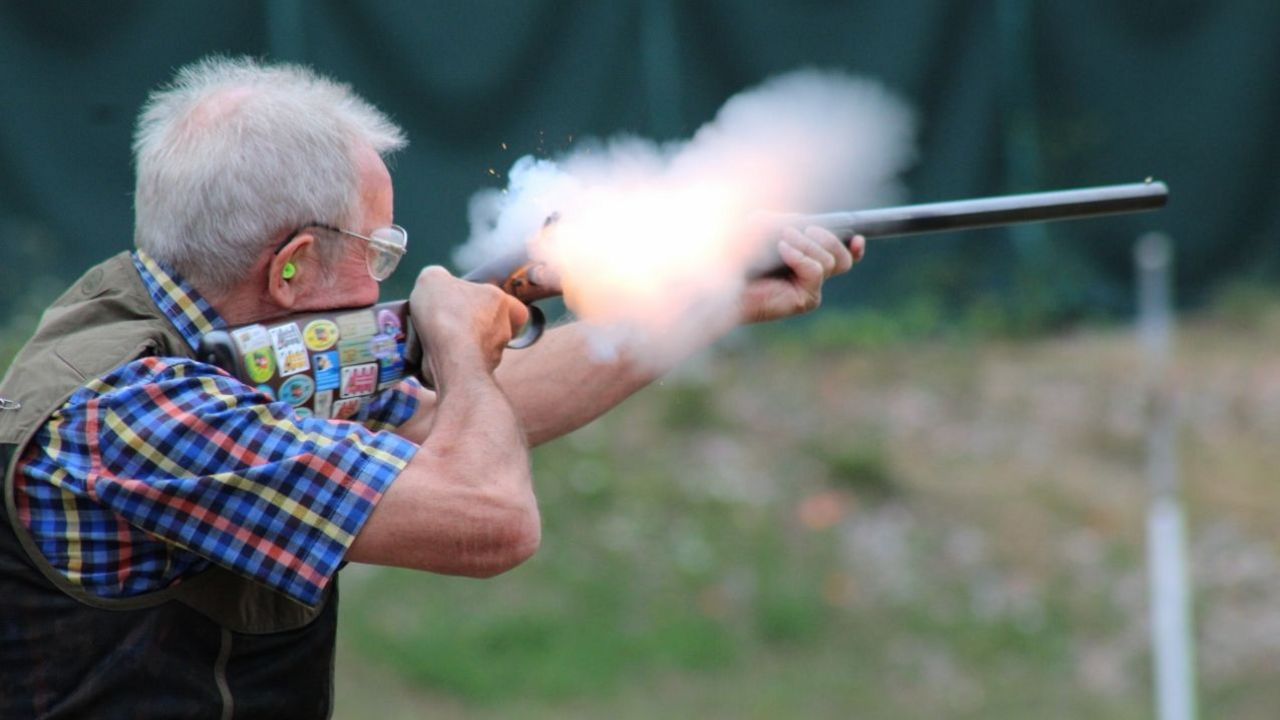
[531, 331]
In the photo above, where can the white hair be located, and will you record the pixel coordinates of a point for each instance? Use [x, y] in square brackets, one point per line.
[233, 152]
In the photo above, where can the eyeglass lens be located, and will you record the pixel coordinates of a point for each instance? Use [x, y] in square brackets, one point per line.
[384, 250]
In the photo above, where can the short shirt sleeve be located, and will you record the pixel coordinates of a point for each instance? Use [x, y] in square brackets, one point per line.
[194, 458]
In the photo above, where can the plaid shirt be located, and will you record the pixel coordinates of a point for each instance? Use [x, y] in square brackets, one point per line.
[165, 465]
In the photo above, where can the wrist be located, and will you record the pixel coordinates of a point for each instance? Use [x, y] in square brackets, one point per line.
[456, 368]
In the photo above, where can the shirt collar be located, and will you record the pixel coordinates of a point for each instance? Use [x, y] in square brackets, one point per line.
[189, 312]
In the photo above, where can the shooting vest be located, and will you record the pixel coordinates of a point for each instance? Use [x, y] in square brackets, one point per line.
[215, 645]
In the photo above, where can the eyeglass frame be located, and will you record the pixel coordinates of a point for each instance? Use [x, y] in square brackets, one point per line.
[372, 243]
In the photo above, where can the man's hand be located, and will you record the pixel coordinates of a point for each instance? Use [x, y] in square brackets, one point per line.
[464, 505]
[463, 325]
[812, 256]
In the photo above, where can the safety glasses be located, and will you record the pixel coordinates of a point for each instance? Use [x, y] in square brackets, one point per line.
[383, 247]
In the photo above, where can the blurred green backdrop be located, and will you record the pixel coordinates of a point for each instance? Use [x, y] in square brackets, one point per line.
[1013, 95]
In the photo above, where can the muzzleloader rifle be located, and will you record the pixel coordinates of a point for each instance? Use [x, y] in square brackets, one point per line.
[332, 363]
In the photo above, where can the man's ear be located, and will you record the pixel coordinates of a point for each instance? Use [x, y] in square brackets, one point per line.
[290, 270]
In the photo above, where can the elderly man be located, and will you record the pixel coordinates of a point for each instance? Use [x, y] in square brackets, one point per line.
[171, 536]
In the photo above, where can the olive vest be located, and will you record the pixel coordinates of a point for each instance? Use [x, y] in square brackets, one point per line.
[215, 645]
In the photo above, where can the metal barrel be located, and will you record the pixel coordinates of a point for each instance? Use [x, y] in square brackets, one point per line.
[496, 271]
[518, 276]
[990, 211]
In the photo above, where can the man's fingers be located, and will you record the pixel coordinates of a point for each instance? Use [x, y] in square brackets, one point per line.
[807, 269]
[517, 315]
[858, 248]
[812, 256]
[433, 273]
[812, 249]
[824, 247]
[451, 310]
[830, 243]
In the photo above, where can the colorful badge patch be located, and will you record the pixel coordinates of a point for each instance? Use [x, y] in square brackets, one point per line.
[327, 377]
[383, 346]
[359, 380]
[320, 335]
[259, 366]
[297, 389]
[251, 337]
[302, 412]
[390, 371]
[324, 403]
[268, 391]
[291, 353]
[255, 346]
[389, 324]
[355, 352]
[346, 409]
[356, 325]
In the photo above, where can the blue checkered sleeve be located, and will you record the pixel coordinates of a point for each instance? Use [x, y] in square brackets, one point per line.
[200, 466]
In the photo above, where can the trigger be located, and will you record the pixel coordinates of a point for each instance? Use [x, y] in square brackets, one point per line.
[531, 331]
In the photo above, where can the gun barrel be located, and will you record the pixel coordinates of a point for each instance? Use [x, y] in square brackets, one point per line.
[530, 281]
[991, 211]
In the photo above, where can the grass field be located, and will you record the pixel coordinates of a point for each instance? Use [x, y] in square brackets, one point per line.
[810, 524]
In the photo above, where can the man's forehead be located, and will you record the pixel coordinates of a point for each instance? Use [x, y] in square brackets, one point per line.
[375, 186]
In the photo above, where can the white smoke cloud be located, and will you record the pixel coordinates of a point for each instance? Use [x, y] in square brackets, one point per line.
[653, 239]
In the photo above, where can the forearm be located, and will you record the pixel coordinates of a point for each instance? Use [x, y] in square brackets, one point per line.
[556, 386]
[475, 430]
[465, 504]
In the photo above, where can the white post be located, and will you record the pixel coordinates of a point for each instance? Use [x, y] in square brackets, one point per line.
[1172, 641]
